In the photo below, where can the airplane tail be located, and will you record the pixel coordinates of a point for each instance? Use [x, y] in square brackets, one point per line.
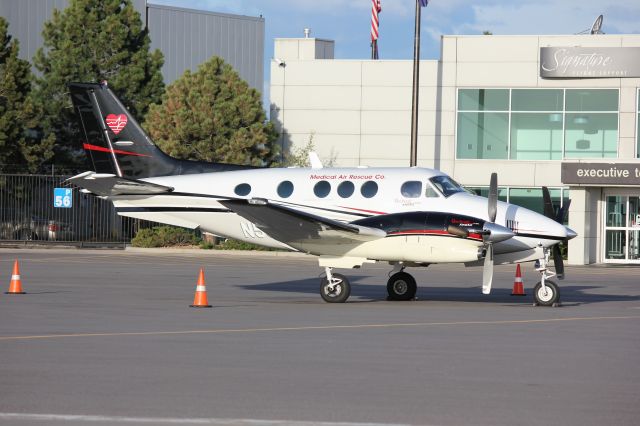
[116, 144]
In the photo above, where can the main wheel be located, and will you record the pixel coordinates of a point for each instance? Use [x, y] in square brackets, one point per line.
[548, 297]
[401, 286]
[339, 292]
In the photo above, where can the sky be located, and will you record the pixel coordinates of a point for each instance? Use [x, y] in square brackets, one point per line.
[347, 22]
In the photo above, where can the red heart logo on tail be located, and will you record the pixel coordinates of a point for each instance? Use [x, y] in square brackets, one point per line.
[116, 122]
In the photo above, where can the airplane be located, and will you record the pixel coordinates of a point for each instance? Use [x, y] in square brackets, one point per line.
[347, 217]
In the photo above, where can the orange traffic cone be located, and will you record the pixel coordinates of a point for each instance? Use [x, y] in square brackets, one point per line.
[16, 283]
[200, 299]
[518, 287]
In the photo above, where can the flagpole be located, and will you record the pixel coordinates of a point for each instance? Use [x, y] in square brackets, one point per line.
[416, 83]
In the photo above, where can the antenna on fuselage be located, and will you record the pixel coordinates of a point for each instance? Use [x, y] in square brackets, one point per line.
[314, 160]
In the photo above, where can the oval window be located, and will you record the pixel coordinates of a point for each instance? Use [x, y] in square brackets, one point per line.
[285, 189]
[345, 189]
[369, 189]
[411, 189]
[243, 189]
[322, 189]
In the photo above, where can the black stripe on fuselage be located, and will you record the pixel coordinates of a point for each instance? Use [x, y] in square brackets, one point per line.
[171, 209]
[220, 197]
[540, 236]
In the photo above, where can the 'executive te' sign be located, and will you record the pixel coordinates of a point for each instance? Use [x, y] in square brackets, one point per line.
[600, 173]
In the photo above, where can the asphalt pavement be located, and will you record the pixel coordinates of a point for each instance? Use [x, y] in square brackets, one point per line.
[108, 337]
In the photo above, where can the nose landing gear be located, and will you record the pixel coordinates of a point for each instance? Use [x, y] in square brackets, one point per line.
[546, 292]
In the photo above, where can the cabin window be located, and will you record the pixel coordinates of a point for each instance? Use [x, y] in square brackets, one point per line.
[345, 189]
[369, 189]
[243, 189]
[285, 189]
[322, 189]
[411, 189]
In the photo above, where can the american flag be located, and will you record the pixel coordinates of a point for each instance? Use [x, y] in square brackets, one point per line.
[423, 3]
[376, 7]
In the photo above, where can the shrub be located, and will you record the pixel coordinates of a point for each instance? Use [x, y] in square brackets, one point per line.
[165, 236]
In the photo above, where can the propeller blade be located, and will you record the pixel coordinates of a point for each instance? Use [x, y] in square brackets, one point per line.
[493, 197]
[487, 271]
[558, 262]
[548, 205]
[458, 231]
[564, 210]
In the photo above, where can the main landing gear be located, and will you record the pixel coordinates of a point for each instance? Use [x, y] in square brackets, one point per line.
[335, 288]
[546, 292]
[401, 285]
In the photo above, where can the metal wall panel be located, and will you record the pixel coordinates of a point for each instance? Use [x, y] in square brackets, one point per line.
[26, 20]
[190, 37]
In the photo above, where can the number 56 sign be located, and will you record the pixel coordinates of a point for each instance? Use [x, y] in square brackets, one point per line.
[62, 197]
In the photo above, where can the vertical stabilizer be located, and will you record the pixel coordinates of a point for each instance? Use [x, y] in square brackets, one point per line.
[117, 144]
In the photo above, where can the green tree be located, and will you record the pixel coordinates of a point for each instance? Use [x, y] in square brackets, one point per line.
[94, 40]
[213, 115]
[18, 115]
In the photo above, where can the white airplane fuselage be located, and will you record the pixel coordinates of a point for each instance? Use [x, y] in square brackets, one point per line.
[373, 191]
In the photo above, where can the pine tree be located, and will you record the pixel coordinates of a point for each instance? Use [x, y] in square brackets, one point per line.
[19, 116]
[91, 41]
[213, 115]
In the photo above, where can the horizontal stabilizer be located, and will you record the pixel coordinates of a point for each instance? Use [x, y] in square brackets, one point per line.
[106, 184]
[294, 227]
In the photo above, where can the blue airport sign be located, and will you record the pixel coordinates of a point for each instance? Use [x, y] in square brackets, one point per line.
[62, 197]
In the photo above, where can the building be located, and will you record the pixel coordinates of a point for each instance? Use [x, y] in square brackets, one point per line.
[186, 37]
[555, 111]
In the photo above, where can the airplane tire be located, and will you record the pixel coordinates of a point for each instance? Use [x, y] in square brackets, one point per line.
[341, 290]
[401, 286]
[548, 298]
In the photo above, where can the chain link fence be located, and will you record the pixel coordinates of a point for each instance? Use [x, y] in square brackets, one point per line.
[43, 209]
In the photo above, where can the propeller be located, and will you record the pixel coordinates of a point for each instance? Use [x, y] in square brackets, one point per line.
[558, 261]
[492, 207]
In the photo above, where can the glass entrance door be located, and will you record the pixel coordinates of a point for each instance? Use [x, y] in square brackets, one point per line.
[622, 229]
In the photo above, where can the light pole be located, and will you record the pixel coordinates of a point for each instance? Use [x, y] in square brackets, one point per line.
[416, 85]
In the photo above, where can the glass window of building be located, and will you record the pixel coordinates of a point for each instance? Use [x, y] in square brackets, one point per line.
[483, 123]
[530, 198]
[591, 123]
[483, 191]
[537, 124]
[638, 131]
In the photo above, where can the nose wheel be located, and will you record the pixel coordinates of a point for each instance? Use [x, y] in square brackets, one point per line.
[547, 295]
[401, 286]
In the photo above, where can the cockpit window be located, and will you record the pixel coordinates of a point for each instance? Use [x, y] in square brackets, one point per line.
[446, 185]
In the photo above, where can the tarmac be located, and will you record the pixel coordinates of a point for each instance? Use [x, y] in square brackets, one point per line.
[108, 337]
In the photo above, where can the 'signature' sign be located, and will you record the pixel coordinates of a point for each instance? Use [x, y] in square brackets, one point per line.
[589, 62]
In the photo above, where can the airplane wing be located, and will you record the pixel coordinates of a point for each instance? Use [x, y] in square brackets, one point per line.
[106, 184]
[296, 228]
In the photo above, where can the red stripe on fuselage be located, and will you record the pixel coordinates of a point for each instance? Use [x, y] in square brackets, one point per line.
[472, 236]
[115, 151]
[361, 210]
